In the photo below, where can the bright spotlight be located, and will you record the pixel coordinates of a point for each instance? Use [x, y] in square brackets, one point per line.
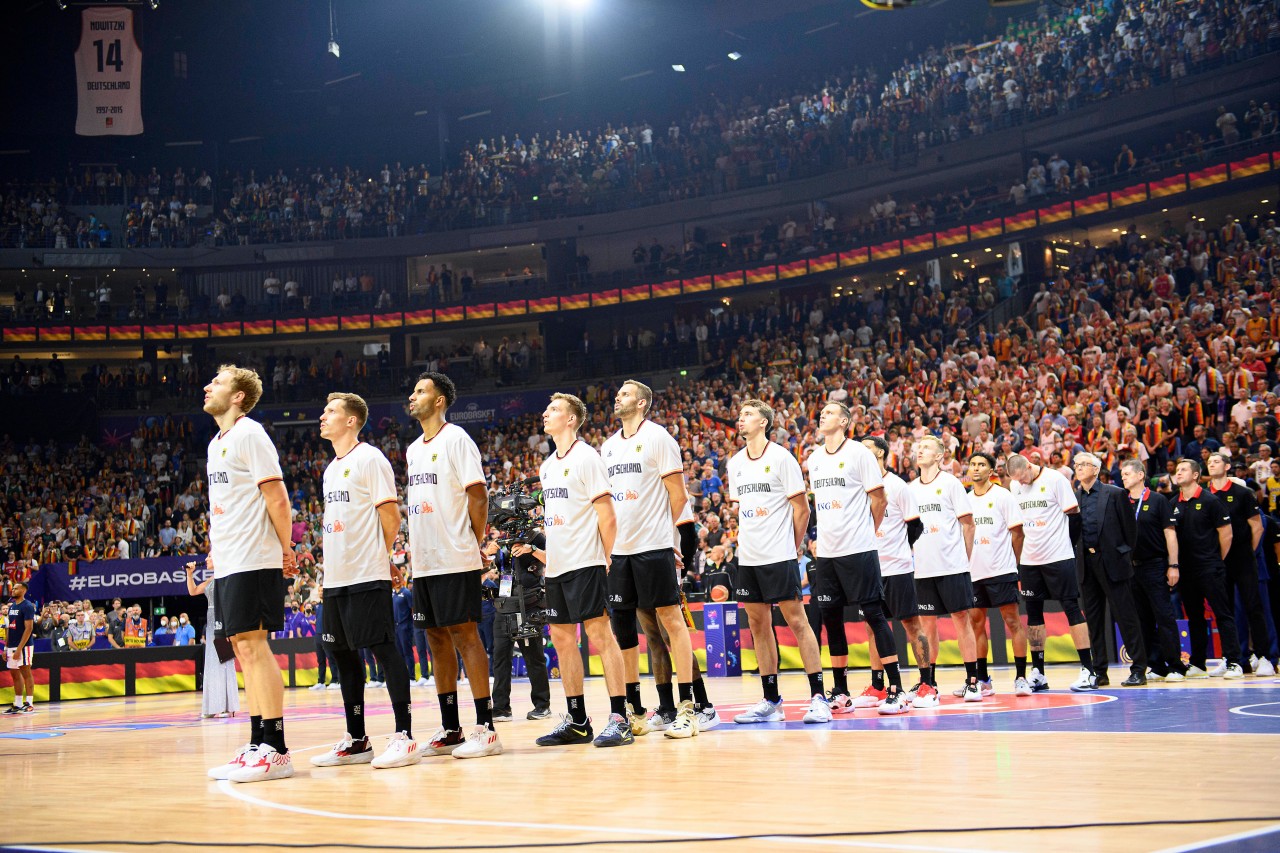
[735, 56]
[679, 68]
[333, 48]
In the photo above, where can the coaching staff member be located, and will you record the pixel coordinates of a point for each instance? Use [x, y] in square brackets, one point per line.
[1155, 572]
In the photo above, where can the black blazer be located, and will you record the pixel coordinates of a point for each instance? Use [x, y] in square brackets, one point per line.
[1118, 535]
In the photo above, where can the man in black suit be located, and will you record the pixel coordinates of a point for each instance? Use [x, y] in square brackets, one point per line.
[1104, 563]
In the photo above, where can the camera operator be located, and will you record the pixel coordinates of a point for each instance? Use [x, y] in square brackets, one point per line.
[526, 571]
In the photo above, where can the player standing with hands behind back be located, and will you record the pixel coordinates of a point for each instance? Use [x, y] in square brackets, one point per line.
[251, 553]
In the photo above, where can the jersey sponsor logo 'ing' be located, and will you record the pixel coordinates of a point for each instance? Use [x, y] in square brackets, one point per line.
[628, 495]
[759, 512]
[424, 508]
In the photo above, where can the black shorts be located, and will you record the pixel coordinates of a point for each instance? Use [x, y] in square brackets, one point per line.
[995, 592]
[946, 594]
[1055, 581]
[842, 581]
[769, 584]
[440, 601]
[359, 616]
[249, 601]
[900, 597]
[644, 580]
[577, 596]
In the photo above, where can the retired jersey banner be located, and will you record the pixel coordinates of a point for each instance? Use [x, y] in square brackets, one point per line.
[108, 74]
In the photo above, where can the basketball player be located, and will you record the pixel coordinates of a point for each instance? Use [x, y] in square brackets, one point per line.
[942, 564]
[893, 543]
[361, 520]
[1047, 566]
[646, 477]
[767, 486]
[448, 517]
[993, 569]
[21, 619]
[848, 493]
[580, 529]
[250, 552]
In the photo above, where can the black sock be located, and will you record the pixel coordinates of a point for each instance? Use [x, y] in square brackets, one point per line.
[449, 711]
[633, 697]
[840, 680]
[666, 697]
[699, 693]
[877, 678]
[815, 684]
[255, 730]
[982, 670]
[484, 712]
[618, 705]
[355, 721]
[1020, 667]
[686, 692]
[1037, 660]
[273, 734]
[404, 717]
[926, 675]
[1086, 658]
[970, 670]
[895, 676]
[577, 713]
[771, 688]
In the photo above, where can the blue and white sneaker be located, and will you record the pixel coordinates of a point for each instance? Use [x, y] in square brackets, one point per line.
[763, 711]
[819, 710]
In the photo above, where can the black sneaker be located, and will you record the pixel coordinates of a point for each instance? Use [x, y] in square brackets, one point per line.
[28, 708]
[617, 733]
[13, 709]
[1103, 680]
[568, 733]
[503, 716]
[538, 714]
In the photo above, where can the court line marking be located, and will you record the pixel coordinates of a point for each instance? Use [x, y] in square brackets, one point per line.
[1223, 839]
[1241, 710]
[232, 790]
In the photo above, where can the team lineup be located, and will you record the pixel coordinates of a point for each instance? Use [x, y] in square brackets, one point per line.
[618, 526]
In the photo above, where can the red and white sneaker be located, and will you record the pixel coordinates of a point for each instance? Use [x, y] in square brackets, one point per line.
[345, 751]
[481, 741]
[266, 764]
[224, 771]
[400, 752]
[840, 703]
[444, 741]
[869, 698]
[926, 697]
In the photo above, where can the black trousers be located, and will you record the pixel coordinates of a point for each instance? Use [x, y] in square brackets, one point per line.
[1155, 612]
[1242, 576]
[535, 661]
[404, 645]
[325, 657]
[1196, 585]
[1096, 592]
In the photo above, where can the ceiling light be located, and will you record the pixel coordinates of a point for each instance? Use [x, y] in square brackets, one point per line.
[735, 56]
[679, 68]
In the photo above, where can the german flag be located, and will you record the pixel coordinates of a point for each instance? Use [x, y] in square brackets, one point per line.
[892, 249]
[513, 309]
[352, 321]
[984, 230]
[760, 275]
[1129, 195]
[544, 305]
[824, 263]
[86, 682]
[165, 676]
[486, 311]
[639, 293]
[259, 327]
[1251, 166]
[1168, 186]
[918, 243]
[1056, 213]
[952, 237]
[134, 333]
[293, 326]
[323, 324]
[666, 288]
[449, 315]
[854, 257]
[193, 330]
[712, 422]
[1208, 177]
[216, 330]
[165, 332]
[575, 302]
[1092, 204]
[697, 285]
[91, 333]
[1020, 221]
[388, 321]
[795, 269]
[419, 318]
[606, 297]
[728, 279]
[56, 333]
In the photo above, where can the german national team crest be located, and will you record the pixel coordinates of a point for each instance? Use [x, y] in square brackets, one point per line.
[224, 453]
[346, 472]
[841, 466]
[639, 447]
[1230, 498]
[766, 469]
[939, 491]
[433, 456]
[566, 472]
[1197, 506]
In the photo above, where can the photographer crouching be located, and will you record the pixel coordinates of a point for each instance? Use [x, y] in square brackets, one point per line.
[520, 596]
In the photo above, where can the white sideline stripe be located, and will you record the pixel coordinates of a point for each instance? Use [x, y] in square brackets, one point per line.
[1223, 839]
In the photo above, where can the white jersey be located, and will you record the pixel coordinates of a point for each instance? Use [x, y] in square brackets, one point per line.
[940, 504]
[891, 538]
[994, 515]
[840, 482]
[108, 74]
[763, 488]
[1044, 506]
[241, 536]
[355, 486]
[636, 467]
[571, 484]
[441, 541]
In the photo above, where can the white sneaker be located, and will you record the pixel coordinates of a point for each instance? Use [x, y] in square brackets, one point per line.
[334, 686]
[640, 723]
[1233, 671]
[763, 711]
[840, 703]
[685, 724]
[319, 685]
[959, 691]
[708, 718]
[910, 695]
[224, 771]
[869, 698]
[481, 741]
[400, 752]
[1085, 682]
[1175, 677]
[376, 684]
[973, 692]
[1152, 676]
[988, 688]
[1264, 668]
[926, 696]
[266, 764]
[1022, 687]
[819, 710]
[1218, 671]
[895, 703]
[345, 751]
[1038, 682]
[1195, 672]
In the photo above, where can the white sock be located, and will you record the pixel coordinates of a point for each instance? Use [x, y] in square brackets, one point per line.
[31, 700]
[17, 701]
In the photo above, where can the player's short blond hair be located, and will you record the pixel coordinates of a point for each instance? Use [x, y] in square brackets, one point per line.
[354, 404]
[577, 408]
[933, 439]
[246, 380]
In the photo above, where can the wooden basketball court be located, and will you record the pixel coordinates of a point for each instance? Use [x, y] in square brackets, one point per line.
[1193, 766]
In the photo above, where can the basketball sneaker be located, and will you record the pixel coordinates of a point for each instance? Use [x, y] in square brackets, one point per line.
[894, 703]
[1174, 677]
[1194, 672]
[685, 724]
[538, 714]
[346, 751]
[926, 697]
[988, 688]
[763, 711]
[840, 703]
[1218, 671]
[263, 765]
[708, 718]
[319, 685]
[819, 710]
[31, 709]
[1039, 683]
[959, 691]
[224, 771]
[1152, 675]
[660, 719]
[1265, 668]
[13, 709]
[910, 696]
[869, 698]
[973, 691]
[640, 725]
[400, 752]
[1022, 687]
[1085, 682]
[334, 686]
[567, 733]
[616, 733]
[481, 741]
[444, 741]
[1232, 671]
[502, 716]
